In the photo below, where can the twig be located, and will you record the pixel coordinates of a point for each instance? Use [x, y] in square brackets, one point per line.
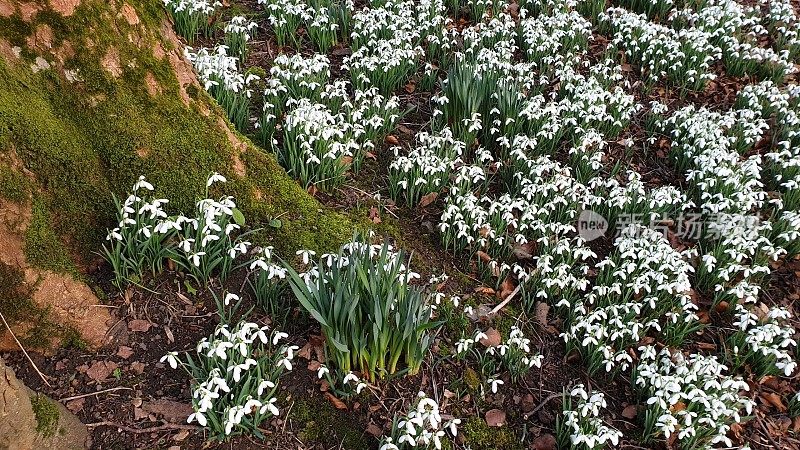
[543, 403]
[166, 426]
[118, 388]
[505, 302]
[766, 431]
[41, 375]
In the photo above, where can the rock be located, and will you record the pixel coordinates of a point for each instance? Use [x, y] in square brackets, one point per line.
[33, 421]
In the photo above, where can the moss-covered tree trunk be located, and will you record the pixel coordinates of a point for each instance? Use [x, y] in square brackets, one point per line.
[94, 93]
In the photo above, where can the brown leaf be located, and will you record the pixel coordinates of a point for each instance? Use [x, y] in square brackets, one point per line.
[706, 346]
[427, 199]
[100, 370]
[137, 367]
[304, 352]
[139, 325]
[483, 256]
[492, 338]
[170, 336]
[374, 430]
[370, 155]
[506, 288]
[374, 215]
[75, 405]
[524, 251]
[171, 411]
[392, 140]
[312, 190]
[630, 412]
[124, 352]
[721, 307]
[180, 435]
[774, 400]
[410, 87]
[495, 417]
[544, 442]
[314, 365]
[338, 404]
[485, 290]
[680, 406]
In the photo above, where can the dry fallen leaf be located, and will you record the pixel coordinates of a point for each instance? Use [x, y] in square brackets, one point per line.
[495, 417]
[492, 338]
[506, 288]
[428, 199]
[542, 309]
[100, 370]
[392, 140]
[124, 352]
[139, 325]
[774, 400]
[630, 412]
[544, 442]
[374, 430]
[338, 404]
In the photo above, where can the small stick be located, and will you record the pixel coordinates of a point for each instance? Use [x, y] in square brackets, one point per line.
[505, 302]
[543, 403]
[168, 426]
[118, 388]
[41, 375]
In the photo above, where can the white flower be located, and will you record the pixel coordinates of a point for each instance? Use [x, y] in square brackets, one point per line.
[270, 406]
[172, 358]
[215, 177]
[199, 417]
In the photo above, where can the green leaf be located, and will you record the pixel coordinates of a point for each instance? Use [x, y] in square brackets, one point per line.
[275, 223]
[189, 288]
[238, 217]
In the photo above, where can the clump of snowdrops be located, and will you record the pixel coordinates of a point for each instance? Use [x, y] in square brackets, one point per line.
[192, 17]
[238, 32]
[219, 74]
[141, 239]
[374, 320]
[763, 341]
[581, 426]
[691, 396]
[514, 355]
[235, 375]
[422, 428]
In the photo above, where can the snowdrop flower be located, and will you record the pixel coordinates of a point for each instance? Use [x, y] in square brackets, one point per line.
[322, 371]
[215, 177]
[264, 385]
[278, 336]
[142, 184]
[493, 382]
[306, 255]
[270, 406]
[199, 417]
[230, 296]
[171, 358]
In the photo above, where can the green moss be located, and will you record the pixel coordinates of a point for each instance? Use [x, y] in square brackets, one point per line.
[43, 248]
[47, 415]
[480, 436]
[15, 30]
[15, 297]
[324, 425]
[87, 140]
[471, 379]
[13, 185]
